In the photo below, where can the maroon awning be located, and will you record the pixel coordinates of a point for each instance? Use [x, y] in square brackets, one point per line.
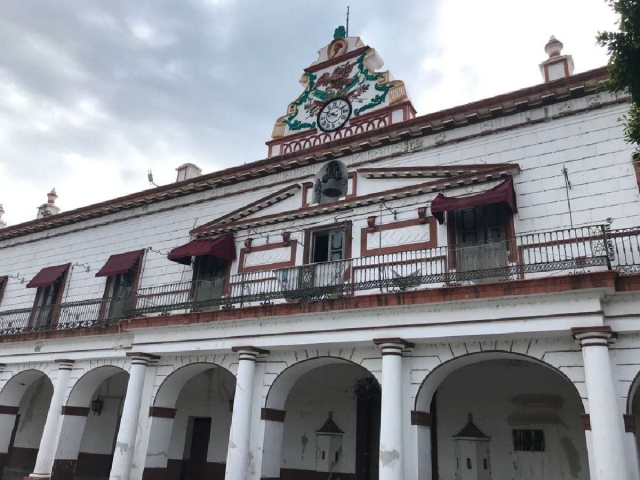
[119, 263]
[503, 193]
[223, 247]
[48, 276]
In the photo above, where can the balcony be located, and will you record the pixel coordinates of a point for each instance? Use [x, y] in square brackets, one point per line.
[529, 256]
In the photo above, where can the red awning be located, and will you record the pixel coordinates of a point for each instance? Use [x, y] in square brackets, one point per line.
[48, 276]
[223, 247]
[503, 193]
[119, 263]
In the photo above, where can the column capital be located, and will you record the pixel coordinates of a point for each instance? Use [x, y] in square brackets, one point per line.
[138, 358]
[593, 336]
[64, 364]
[249, 353]
[392, 346]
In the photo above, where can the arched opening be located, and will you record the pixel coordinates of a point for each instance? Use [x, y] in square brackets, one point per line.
[331, 183]
[24, 404]
[632, 423]
[90, 423]
[190, 423]
[502, 415]
[322, 418]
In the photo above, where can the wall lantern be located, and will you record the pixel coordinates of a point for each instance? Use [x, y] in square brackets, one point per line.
[96, 406]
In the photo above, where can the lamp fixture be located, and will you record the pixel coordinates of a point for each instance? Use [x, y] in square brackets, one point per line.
[96, 406]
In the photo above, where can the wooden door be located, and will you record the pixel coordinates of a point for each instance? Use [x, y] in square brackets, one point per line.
[199, 449]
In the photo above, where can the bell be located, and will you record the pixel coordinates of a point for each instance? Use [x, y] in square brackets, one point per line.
[331, 188]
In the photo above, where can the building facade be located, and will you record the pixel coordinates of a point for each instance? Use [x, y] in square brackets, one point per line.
[385, 296]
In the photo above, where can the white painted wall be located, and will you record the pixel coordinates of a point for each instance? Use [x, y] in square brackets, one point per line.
[590, 145]
[205, 395]
[503, 395]
[33, 414]
[323, 390]
[100, 431]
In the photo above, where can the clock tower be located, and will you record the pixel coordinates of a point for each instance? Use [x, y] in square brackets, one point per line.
[345, 95]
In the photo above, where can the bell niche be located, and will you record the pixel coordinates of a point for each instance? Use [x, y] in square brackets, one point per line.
[331, 182]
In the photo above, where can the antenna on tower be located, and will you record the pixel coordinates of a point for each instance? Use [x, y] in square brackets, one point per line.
[347, 20]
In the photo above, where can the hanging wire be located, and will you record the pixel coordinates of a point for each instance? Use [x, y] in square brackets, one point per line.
[17, 277]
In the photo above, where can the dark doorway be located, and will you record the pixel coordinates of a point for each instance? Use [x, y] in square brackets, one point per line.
[13, 433]
[434, 436]
[197, 463]
[367, 393]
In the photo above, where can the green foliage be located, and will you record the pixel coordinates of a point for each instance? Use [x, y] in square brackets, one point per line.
[340, 32]
[624, 61]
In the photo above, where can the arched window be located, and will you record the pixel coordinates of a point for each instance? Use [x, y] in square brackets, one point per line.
[331, 182]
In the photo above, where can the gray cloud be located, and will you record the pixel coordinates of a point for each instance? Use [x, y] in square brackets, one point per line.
[121, 86]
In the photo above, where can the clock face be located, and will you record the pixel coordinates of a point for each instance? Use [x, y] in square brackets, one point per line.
[334, 115]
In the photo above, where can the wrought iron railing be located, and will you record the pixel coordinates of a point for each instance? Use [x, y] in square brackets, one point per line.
[65, 316]
[523, 256]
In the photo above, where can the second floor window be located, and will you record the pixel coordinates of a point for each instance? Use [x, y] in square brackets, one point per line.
[328, 246]
[123, 273]
[208, 276]
[50, 283]
[3, 285]
[481, 235]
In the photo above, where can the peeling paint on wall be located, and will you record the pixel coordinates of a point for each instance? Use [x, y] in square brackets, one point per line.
[536, 409]
[572, 456]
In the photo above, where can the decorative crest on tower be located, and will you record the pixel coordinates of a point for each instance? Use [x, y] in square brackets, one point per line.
[344, 91]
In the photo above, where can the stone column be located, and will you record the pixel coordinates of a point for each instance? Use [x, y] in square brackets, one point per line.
[632, 446]
[422, 426]
[257, 424]
[157, 456]
[607, 426]
[126, 440]
[238, 453]
[586, 423]
[51, 433]
[73, 421]
[273, 436]
[391, 466]
[8, 414]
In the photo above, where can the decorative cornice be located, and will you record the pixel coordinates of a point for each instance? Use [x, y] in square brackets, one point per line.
[575, 86]
[447, 171]
[252, 208]
[442, 184]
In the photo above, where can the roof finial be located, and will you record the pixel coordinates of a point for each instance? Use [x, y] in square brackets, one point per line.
[2, 222]
[347, 33]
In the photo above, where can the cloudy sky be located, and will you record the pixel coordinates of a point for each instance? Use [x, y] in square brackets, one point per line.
[94, 93]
